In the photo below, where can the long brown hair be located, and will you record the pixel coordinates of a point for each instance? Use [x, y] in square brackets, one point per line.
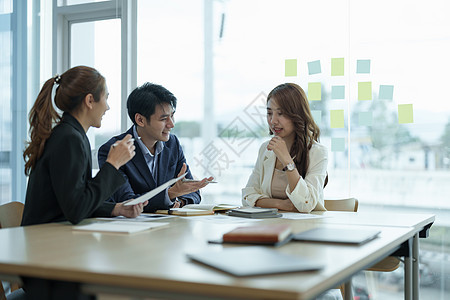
[73, 86]
[292, 100]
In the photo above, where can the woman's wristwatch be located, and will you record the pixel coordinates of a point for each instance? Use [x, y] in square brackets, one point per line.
[289, 167]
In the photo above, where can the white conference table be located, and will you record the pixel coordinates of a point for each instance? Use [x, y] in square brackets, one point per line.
[421, 224]
[153, 263]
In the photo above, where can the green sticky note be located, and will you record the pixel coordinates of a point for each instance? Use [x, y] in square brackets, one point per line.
[363, 66]
[290, 67]
[337, 118]
[386, 92]
[365, 90]
[405, 113]
[317, 116]
[338, 92]
[314, 67]
[337, 66]
[365, 118]
[314, 91]
[337, 144]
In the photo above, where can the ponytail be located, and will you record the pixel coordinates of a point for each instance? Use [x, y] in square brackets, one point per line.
[42, 117]
[73, 86]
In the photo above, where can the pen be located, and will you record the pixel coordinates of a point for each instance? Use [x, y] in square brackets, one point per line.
[129, 141]
[196, 180]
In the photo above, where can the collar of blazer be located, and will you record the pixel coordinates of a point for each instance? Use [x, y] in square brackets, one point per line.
[268, 155]
[269, 160]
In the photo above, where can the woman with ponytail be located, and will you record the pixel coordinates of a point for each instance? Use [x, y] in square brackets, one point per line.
[58, 156]
[291, 168]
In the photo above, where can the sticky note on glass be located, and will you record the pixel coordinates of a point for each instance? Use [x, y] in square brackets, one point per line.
[314, 67]
[317, 116]
[337, 66]
[290, 67]
[338, 92]
[363, 66]
[337, 144]
[365, 90]
[386, 92]
[365, 118]
[405, 113]
[337, 118]
[314, 91]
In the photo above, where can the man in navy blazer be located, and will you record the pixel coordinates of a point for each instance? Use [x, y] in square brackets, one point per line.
[159, 156]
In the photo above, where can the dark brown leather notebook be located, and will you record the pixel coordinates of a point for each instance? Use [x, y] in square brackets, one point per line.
[259, 234]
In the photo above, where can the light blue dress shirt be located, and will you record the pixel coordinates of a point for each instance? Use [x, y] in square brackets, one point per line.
[152, 159]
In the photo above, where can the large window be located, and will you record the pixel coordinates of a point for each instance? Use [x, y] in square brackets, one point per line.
[99, 34]
[13, 98]
[88, 46]
[374, 71]
[5, 103]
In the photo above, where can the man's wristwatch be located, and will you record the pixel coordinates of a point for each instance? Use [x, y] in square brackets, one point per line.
[289, 167]
[179, 201]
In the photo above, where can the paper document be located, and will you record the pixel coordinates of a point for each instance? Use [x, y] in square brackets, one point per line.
[119, 226]
[154, 192]
[141, 218]
[300, 216]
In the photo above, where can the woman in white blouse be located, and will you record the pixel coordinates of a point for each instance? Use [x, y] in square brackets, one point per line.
[291, 168]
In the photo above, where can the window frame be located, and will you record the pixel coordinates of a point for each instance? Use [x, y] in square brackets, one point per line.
[126, 11]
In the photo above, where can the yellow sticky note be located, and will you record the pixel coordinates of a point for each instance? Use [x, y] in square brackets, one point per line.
[314, 91]
[290, 67]
[365, 90]
[337, 66]
[405, 113]
[337, 118]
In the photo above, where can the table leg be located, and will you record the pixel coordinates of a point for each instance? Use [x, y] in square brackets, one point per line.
[348, 290]
[415, 267]
[408, 271]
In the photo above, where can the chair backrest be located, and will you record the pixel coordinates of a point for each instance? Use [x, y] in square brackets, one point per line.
[11, 214]
[348, 204]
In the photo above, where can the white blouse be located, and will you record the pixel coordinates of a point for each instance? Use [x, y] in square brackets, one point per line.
[308, 193]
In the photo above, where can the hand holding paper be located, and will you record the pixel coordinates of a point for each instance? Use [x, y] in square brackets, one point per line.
[154, 192]
[128, 211]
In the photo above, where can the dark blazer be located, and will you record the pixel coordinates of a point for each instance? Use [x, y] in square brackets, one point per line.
[139, 179]
[61, 186]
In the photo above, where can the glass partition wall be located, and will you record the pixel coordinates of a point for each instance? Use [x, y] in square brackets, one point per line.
[373, 71]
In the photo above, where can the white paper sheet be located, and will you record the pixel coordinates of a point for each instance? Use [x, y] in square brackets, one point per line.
[142, 218]
[299, 216]
[154, 192]
[119, 226]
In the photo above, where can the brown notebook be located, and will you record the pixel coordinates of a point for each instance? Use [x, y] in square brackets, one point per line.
[264, 234]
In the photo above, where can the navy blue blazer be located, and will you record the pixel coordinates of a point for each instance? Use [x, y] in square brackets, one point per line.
[139, 179]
